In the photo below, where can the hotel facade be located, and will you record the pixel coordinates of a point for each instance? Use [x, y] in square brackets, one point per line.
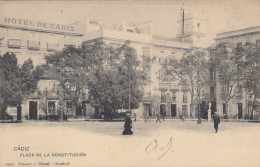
[36, 39]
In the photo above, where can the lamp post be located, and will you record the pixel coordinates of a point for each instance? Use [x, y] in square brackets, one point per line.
[199, 111]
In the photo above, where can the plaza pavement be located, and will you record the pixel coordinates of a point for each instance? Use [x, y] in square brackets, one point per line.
[170, 143]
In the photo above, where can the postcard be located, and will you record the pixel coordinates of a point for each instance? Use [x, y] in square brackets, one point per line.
[129, 83]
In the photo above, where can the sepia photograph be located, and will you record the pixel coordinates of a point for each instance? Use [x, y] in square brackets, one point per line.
[124, 83]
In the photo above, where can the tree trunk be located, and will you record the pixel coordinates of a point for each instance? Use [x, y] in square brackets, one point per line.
[252, 111]
[74, 110]
[192, 107]
[227, 109]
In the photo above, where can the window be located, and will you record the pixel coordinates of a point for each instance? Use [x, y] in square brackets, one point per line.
[163, 97]
[185, 98]
[174, 97]
[114, 45]
[163, 77]
[198, 24]
[69, 40]
[239, 89]
[51, 107]
[224, 108]
[223, 88]
[67, 85]
[68, 105]
[185, 110]
[52, 38]
[33, 36]
[211, 90]
[147, 51]
[52, 86]
[212, 74]
[33, 42]
[257, 43]
[14, 34]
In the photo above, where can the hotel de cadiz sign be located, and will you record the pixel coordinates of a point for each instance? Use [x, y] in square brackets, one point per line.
[41, 26]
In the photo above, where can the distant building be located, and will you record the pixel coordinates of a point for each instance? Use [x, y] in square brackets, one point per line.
[240, 104]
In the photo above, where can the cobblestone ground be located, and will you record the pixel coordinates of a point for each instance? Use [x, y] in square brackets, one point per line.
[170, 143]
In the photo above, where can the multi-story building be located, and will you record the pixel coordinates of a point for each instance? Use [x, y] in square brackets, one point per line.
[35, 39]
[239, 106]
[170, 99]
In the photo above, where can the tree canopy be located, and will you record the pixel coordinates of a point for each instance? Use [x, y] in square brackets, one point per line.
[118, 82]
[190, 72]
[17, 82]
[106, 73]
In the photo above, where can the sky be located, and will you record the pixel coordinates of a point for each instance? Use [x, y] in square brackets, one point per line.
[221, 15]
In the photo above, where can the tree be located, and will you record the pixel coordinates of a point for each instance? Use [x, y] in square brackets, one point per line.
[17, 83]
[251, 73]
[191, 72]
[116, 81]
[70, 68]
[228, 59]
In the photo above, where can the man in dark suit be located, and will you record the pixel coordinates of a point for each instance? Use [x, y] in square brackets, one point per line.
[216, 121]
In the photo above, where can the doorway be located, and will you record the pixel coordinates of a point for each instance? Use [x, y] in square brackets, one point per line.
[173, 110]
[147, 110]
[33, 110]
[239, 108]
[51, 108]
[163, 109]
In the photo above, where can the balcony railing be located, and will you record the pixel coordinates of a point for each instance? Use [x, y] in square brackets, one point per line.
[69, 45]
[14, 43]
[34, 45]
[184, 88]
[163, 86]
[52, 94]
[239, 96]
[52, 46]
[223, 96]
[174, 87]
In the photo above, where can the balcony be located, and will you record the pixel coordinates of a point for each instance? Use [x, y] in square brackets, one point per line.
[14, 43]
[223, 96]
[184, 88]
[69, 45]
[52, 94]
[239, 95]
[163, 86]
[52, 46]
[174, 87]
[33, 45]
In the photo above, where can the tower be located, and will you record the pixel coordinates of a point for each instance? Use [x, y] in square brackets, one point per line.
[192, 28]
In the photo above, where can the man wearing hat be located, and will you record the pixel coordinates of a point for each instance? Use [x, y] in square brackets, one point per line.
[128, 125]
[216, 121]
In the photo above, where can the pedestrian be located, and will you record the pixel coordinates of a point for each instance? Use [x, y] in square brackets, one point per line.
[135, 116]
[158, 117]
[147, 118]
[128, 125]
[216, 121]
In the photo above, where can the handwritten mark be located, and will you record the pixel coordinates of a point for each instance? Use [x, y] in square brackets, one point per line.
[149, 145]
[153, 146]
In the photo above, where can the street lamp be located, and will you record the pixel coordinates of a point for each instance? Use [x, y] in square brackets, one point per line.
[199, 111]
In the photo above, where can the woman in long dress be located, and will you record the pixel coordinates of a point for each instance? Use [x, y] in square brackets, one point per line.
[128, 125]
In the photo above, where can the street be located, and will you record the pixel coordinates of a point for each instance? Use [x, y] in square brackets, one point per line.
[170, 143]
